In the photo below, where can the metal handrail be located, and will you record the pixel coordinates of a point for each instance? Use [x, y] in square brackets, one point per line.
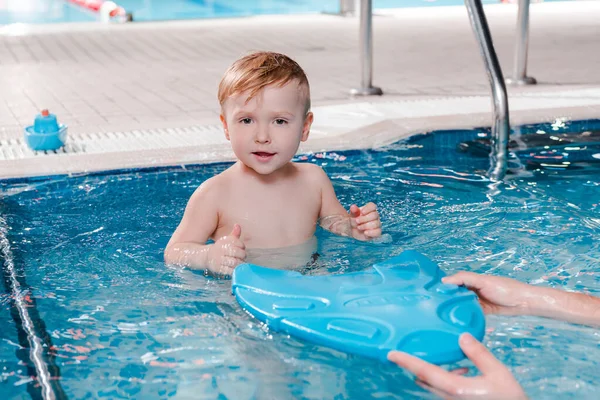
[366, 52]
[347, 7]
[500, 126]
[522, 44]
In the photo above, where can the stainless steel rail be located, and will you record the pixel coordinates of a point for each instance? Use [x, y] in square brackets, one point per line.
[521, 46]
[500, 126]
[348, 7]
[366, 52]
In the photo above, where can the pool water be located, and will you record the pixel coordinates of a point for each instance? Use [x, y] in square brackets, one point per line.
[120, 324]
[52, 11]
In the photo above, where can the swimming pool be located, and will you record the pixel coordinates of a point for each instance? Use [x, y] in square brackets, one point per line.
[120, 324]
[52, 11]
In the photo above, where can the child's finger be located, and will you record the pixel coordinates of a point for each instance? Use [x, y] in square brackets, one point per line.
[236, 231]
[367, 208]
[231, 241]
[354, 211]
[370, 225]
[372, 216]
[236, 252]
[225, 269]
[238, 243]
[230, 262]
[372, 233]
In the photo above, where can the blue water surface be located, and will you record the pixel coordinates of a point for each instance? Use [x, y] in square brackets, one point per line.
[123, 325]
[52, 11]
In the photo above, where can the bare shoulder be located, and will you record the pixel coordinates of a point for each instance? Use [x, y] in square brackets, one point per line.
[211, 189]
[318, 179]
[313, 173]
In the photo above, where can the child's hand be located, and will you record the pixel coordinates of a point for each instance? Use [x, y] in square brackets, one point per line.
[365, 221]
[227, 253]
[497, 295]
[495, 381]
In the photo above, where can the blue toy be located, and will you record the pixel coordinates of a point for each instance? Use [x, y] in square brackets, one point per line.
[399, 304]
[45, 133]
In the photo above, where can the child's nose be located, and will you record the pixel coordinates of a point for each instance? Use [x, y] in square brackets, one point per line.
[262, 136]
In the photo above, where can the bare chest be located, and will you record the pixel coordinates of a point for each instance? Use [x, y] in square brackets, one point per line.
[272, 217]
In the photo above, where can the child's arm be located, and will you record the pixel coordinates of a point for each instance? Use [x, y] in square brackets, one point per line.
[188, 244]
[499, 295]
[361, 223]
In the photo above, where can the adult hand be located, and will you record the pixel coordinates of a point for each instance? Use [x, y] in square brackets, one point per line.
[497, 295]
[495, 381]
[365, 221]
[227, 252]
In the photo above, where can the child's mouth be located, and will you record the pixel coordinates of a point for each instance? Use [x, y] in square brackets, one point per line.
[263, 156]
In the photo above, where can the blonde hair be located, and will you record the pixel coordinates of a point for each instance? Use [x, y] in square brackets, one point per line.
[260, 69]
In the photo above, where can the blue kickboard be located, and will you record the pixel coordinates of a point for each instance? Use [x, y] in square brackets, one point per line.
[399, 304]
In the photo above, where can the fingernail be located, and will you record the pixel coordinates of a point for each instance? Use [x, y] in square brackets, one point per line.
[466, 338]
[357, 221]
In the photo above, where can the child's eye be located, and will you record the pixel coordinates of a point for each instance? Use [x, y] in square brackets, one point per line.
[246, 121]
[280, 121]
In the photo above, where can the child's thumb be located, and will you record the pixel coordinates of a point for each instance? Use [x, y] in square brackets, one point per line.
[354, 211]
[237, 231]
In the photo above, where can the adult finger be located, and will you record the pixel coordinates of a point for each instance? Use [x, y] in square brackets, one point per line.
[483, 359]
[441, 394]
[463, 278]
[459, 371]
[432, 375]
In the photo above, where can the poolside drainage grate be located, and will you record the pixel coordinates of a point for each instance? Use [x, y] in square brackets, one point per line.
[111, 142]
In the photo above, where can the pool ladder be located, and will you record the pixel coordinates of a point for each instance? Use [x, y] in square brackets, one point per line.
[501, 124]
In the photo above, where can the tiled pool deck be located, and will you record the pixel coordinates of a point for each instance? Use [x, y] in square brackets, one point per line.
[144, 94]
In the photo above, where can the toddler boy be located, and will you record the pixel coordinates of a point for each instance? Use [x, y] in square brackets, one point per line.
[264, 200]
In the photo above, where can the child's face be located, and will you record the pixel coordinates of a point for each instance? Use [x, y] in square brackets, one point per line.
[265, 132]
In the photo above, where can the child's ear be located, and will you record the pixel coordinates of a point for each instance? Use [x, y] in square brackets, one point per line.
[306, 129]
[224, 122]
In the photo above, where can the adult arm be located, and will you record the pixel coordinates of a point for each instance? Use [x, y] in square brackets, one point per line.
[499, 295]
